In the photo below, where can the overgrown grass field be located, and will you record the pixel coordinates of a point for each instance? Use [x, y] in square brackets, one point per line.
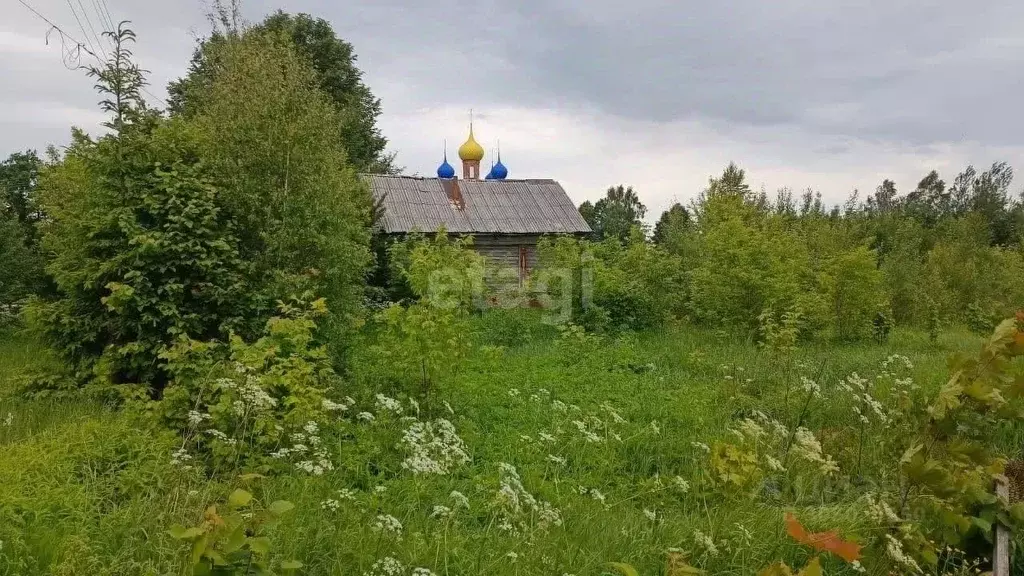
[582, 450]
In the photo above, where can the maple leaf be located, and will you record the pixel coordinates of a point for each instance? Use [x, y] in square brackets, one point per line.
[822, 541]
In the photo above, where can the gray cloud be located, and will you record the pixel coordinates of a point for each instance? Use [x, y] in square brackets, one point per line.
[829, 94]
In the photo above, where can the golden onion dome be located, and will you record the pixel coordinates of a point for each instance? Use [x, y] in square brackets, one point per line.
[471, 149]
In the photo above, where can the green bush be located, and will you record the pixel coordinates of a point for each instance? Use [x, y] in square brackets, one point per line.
[142, 254]
[238, 406]
[273, 140]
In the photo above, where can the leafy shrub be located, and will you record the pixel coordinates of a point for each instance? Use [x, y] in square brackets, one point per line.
[238, 405]
[609, 285]
[442, 269]
[226, 542]
[853, 286]
[302, 212]
[142, 254]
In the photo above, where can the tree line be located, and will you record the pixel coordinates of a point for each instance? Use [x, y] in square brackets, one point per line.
[938, 254]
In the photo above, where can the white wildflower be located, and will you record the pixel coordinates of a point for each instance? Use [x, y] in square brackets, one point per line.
[422, 572]
[512, 556]
[460, 499]
[701, 446]
[545, 437]
[894, 548]
[810, 386]
[347, 494]
[330, 504]
[650, 514]
[434, 447]
[556, 460]
[681, 484]
[195, 418]
[441, 512]
[806, 446]
[704, 542]
[773, 464]
[386, 567]
[548, 515]
[388, 404]
[365, 417]
[217, 434]
[387, 523]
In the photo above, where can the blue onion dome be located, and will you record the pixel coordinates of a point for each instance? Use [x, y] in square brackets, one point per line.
[445, 170]
[499, 171]
[490, 175]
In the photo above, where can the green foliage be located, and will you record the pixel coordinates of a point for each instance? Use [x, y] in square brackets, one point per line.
[228, 542]
[19, 175]
[744, 263]
[611, 286]
[235, 405]
[141, 251]
[881, 326]
[425, 344]
[442, 269]
[671, 230]
[615, 215]
[949, 467]
[332, 59]
[20, 267]
[302, 212]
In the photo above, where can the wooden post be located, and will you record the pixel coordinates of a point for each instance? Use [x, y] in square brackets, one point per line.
[1001, 552]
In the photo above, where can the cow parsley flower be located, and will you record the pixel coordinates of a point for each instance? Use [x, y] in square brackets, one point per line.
[894, 549]
[460, 499]
[548, 515]
[704, 542]
[681, 484]
[388, 404]
[773, 464]
[434, 447]
[701, 446]
[441, 512]
[810, 386]
[651, 515]
[556, 460]
[330, 504]
[365, 417]
[195, 418]
[387, 523]
[385, 567]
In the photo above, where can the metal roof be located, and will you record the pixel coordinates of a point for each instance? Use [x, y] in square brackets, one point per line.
[487, 206]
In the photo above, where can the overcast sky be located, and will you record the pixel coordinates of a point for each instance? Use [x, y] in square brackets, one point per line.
[657, 94]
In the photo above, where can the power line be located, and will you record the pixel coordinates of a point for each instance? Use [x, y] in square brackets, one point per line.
[101, 9]
[97, 37]
[82, 28]
[72, 54]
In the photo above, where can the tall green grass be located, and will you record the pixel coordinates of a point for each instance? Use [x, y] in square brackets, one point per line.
[87, 490]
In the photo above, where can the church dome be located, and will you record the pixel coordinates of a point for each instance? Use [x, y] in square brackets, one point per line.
[499, 171]
[445, 170]
[471, 150]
